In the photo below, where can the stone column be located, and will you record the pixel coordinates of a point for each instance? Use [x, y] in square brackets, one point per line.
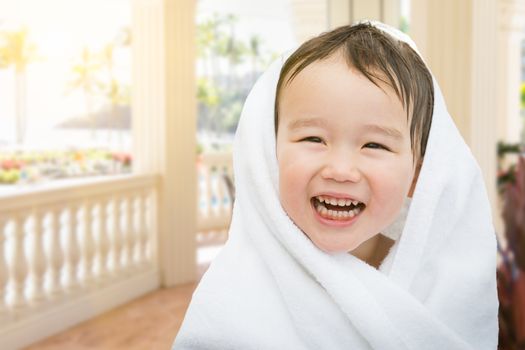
[458, 40]
[164, 125]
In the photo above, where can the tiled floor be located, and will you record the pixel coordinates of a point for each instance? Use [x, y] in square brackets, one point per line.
[150, 322]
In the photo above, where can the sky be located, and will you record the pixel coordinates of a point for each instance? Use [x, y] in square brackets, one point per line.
[60, 29]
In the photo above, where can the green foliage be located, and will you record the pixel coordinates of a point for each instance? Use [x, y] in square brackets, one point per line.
[3, 58]
[404, 25]
[84, 72]
[230, 67]
[207, 93]
[17, 49]
[93, 73]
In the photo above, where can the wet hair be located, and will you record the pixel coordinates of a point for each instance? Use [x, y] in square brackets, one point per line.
[380, 58]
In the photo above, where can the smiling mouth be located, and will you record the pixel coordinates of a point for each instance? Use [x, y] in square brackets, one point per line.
[339, 210]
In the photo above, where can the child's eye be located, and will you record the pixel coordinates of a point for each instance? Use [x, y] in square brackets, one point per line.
[374, 145]
[314, 139]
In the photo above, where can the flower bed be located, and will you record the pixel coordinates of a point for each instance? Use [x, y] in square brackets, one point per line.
[35, 166]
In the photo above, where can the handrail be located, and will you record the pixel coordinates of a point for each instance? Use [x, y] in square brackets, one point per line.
[74, 243]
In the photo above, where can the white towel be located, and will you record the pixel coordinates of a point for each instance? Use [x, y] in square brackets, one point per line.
[271, 288]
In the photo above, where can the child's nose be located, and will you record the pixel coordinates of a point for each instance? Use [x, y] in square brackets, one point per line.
[341, 168]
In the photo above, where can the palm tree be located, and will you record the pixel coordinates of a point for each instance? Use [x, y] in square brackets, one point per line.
[3, 57]
[85, 78]
[254, 51]
[17, 51]
[113, 90]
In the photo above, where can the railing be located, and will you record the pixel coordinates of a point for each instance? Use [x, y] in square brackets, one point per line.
[69, 253]
[215, 191]
[72, 250]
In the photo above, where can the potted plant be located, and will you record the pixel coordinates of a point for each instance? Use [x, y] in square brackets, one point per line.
[511, 270]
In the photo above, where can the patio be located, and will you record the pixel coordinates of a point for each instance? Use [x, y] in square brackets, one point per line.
[148, 322]
[107, 249]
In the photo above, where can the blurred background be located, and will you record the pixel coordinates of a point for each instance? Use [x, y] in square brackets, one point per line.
[117, 119]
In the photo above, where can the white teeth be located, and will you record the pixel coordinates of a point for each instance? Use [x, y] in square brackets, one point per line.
[337, 214]
[338, 202]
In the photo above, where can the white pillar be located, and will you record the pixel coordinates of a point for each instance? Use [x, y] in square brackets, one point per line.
[484, 108]
[458, 40]
[164, 125]
[511, 25]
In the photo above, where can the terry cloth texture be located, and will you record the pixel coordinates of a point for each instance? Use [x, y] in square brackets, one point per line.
[271, 288]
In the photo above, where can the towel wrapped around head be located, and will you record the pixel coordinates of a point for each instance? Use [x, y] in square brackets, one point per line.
[271, 288]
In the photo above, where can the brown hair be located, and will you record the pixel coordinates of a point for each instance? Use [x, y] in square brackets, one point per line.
[379, 57]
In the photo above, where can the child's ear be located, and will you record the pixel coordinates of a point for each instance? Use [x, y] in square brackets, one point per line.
[414, 179]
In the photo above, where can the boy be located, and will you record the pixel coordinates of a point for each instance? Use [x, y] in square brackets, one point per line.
[328, 148]
[343, 120]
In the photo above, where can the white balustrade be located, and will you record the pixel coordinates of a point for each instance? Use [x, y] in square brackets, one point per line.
[215, 201]
[69, 253]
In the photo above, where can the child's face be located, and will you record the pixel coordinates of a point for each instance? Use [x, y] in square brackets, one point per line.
[341, 138]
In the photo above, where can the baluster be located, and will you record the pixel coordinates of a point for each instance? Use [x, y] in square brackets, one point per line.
[71, 250]
[127, 232]
[145, 233]
[135, 231]
[87, 244]
[209, 193]
[18, 267]
[221, 185]
[55, 257]
[3, 270]
[231, 189]
[37, 260]
[116, 234]
[141, 226]
[103, 242]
